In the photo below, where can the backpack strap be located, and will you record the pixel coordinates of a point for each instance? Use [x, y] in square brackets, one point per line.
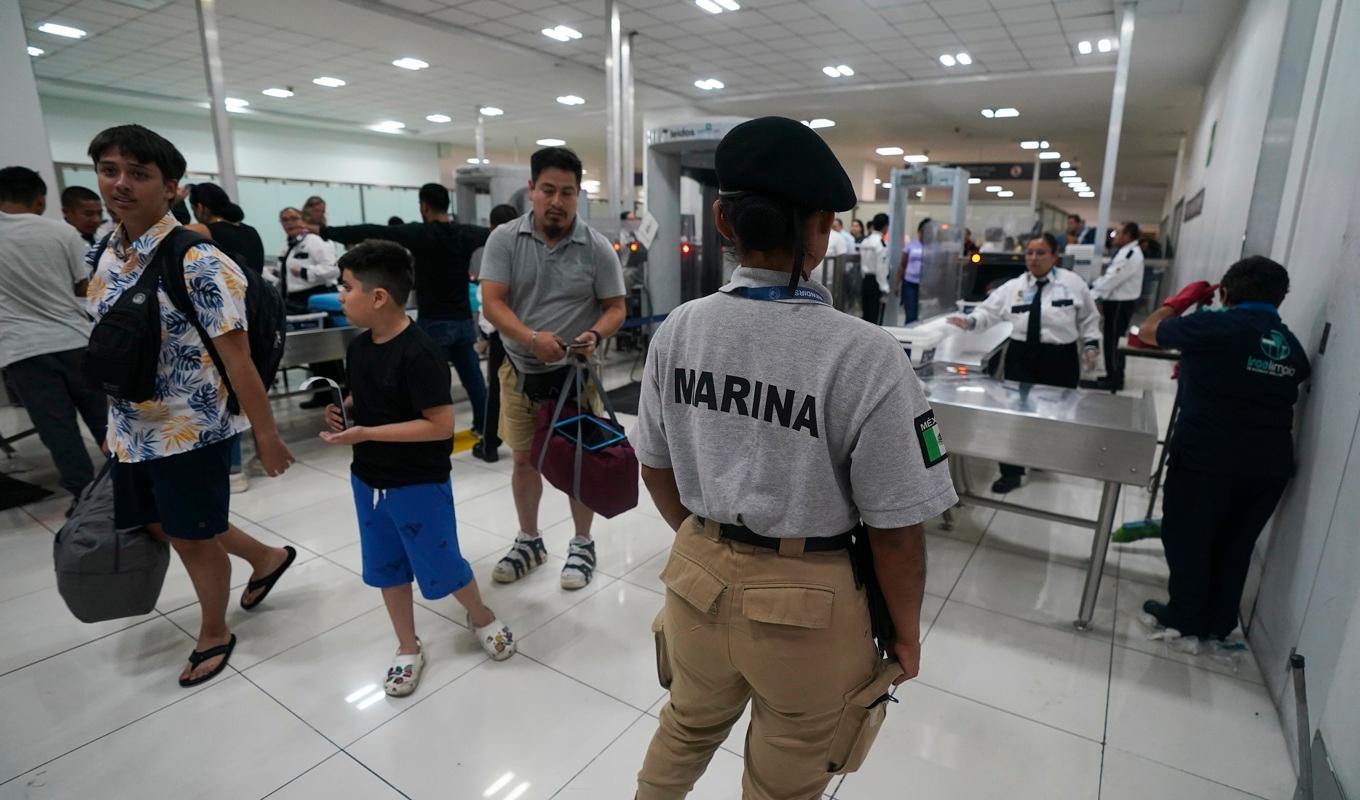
[171, 254]
[99, 248]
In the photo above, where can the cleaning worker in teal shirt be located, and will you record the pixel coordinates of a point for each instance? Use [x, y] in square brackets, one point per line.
[1232, 448]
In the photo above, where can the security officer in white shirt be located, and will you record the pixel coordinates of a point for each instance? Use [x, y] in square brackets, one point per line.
[307, 265]
[772, 429]
[873, 264]
[1118, 290]
[1055, 326]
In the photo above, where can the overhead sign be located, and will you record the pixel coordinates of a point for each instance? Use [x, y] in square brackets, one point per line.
[1019, 171]
[647, 228]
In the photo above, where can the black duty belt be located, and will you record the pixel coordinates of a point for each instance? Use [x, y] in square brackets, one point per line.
[816, 544]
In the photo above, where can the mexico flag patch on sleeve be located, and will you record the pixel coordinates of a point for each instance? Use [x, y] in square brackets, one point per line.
[928, 436]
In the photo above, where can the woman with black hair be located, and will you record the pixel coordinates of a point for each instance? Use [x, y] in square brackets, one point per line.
[223, 219]
[792, 449]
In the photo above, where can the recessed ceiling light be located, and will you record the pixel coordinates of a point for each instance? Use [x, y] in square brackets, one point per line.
[570, 100]
[988, 113]
[475, 160]
[1067, 173]
[709, 6]
[1065, 165]
[62, 30]
[550, 142]
[1043, 145]
[1005, 194]
[490, 111]
[1050, 155]
[235, 101]
[963, 58]
[916, 158]
[1104, 45]
[330, 83]
[280, 93]
[1073, 178]
[948, 60]
[820, 122]
[562, 33]
[1084, 47]
[410, 63]
[1029, 144]
[1003, 113]
[920, 193]
[889, 151]
[388, 126]
[845, 71]
[438, 118]
[840, 71]
[35, 51]
[878, 181]
[1086, 194]
[995, 188]
[975, 181]
[710, 84]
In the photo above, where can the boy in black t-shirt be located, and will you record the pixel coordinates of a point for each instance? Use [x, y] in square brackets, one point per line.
[402, 433]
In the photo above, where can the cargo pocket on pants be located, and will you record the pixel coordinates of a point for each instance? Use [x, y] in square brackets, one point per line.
[863, 715]
[663, 653]
[693, 582]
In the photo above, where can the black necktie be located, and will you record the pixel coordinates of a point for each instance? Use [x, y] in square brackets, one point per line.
[1035, 322]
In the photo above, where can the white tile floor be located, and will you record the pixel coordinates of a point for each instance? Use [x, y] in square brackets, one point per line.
[1011, 701]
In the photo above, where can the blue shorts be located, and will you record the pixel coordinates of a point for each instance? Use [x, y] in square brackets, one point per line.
[410, 532]
[187, 493]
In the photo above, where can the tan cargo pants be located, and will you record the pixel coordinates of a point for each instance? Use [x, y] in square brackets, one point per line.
[787, 631]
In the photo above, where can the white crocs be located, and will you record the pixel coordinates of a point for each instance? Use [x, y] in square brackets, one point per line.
[496, 639]
[404, 673]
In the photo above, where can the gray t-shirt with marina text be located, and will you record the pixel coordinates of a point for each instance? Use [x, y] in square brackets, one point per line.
[788, 416]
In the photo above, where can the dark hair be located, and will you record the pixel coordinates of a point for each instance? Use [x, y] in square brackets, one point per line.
[502, 214]
[315, 199]
[395, 221]
[73, 196]
[562, 158]
[142, 145]
[1256, 279]
[435, 196]
[880, 222]
[382, 264]
[1132, 230]
[1076, 217]
[923, 225]
[286, 209]
[21, 185]
[214, 198]
[1050, 240]
[762, 223]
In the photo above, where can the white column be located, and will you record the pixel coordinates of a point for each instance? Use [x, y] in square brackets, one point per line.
[24, 142]
[613, 109]
[628, 196]
[1034, 188]
[481, 136]
[217, 97]
[1121, 83]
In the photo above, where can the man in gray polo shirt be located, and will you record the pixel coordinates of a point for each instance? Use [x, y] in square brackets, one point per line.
[43, 326]
[547, 279]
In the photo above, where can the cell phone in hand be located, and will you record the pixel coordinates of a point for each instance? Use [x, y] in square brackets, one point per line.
[578, 345]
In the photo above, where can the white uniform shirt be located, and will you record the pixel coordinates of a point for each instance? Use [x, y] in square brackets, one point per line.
[851, 246]
[835, 245]
[1123, 279]
[1069, 311]
[873, 260]
[310, 263]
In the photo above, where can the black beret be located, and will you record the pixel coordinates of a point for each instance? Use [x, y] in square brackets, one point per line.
[786, 159]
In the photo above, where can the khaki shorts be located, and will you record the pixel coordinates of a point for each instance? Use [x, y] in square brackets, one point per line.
[519, 414]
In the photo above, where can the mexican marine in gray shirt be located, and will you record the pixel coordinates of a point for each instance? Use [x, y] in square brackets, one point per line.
[747, 400]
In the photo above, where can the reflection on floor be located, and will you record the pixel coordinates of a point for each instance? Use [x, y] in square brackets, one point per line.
[1011, 701]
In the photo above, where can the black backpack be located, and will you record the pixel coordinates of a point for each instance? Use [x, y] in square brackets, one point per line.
[110, 355]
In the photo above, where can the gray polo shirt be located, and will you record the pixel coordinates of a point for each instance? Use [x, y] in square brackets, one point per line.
[41, 261]
[556, 290]
[790, 417]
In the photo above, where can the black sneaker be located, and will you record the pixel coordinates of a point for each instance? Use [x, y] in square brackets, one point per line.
[487, 454]
[1006, 483]
[1156, 610]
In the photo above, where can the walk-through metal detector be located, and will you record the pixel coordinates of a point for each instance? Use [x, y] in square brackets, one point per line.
[676, 273]
[481, 186]
[942, 266]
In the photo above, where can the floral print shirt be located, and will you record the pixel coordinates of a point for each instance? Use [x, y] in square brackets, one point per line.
[189, 409]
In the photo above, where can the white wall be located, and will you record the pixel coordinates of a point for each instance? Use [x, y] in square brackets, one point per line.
[262, 149]
[24, 142]
[1237, 98]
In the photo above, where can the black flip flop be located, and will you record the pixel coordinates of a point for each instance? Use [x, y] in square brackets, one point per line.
[268, 581]
[199, 656]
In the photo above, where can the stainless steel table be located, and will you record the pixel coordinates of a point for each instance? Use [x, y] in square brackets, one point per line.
[311, 347]
[1106, 437]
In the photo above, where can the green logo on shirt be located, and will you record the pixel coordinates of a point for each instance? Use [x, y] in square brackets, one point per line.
[928, 436]
[1276, 349]
[1275, 346]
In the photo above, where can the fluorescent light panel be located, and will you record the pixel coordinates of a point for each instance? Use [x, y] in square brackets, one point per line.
[988, 113]
[963, 58]
[1029, 144]
[330, 83]
[709, 6]
[410, 63]
[710, 84]
[1086, 194]
[974, 181]
[1005, 194]
[916, 158]
[570, 100]
[490, 111]
[387, 126]
[1065, 165]
[948, 60]
[550, 142]
[1004, 113]
[562, 33]
[995, 188]
[819, 122]
[729, 5]
[439, 118]
[35, 51]
[475, 160]
[1084, 47]
[838, 71]
[889, 151]
[62, 30]
[1050, 155]
[279, 93]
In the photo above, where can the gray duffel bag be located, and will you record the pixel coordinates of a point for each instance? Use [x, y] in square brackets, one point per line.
[102, 572]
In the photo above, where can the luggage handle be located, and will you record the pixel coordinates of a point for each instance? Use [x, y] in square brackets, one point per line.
[580, 383]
